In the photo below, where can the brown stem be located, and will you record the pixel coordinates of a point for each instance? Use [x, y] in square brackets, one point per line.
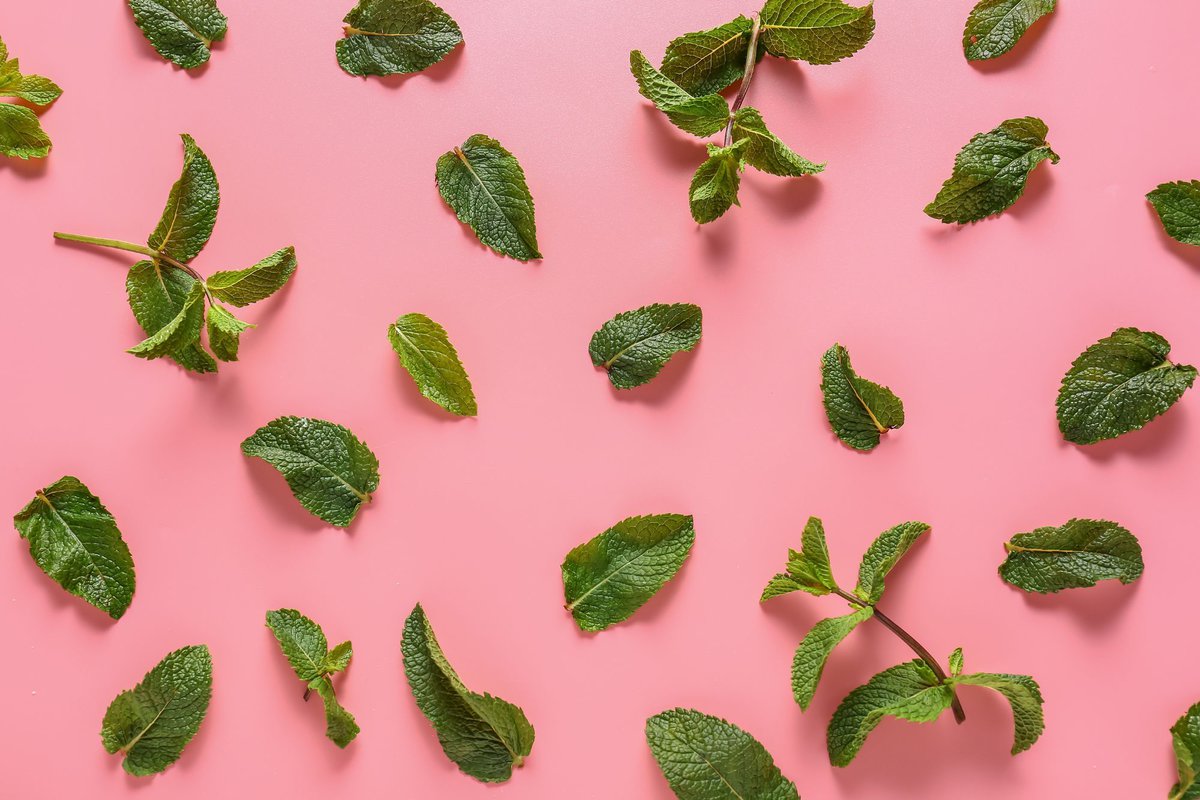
[747, 76]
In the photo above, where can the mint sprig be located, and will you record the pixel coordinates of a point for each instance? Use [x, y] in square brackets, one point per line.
[304, 646]
[21, 134]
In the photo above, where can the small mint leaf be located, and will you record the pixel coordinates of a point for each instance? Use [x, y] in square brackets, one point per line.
[1074, 555]
[1185, 737]
[956, 663]
[883, 554]
[21, 133]
[714, 187]
[224, 333]
[808, 570]
[814, 651]
[995, 26]
[245, 286]
[1178, 207]
[764, 151]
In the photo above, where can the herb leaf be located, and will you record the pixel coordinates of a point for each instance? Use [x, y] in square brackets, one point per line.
[390, 37]
[764, 151]
[426, 353]
[245, 286]
[859, 411]
[715, 185]
[484, 735]
[816, 31]
[708, 61]
[187, 221]
[883, 554]
[991, 170]
[485, 185]
[34, 89]
[303, 644]
[1185, 736]
[224, 333]
[701, 116]
[1118, 385]
[612, 575]
[157, 296]
[814, 650]
[75, 541]
[329, 470]
[151, 723]
[1074, 555]
[181, 331]
[634, 345]
[808, 570]
[706, 758]
[21, 133]
[995, 26]
[181, 31]
[1023, 695]
[1178, 207]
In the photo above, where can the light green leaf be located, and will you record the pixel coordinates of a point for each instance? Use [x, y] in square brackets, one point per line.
[180, 332]
[715, 185]
[990, 171]
[224, 333]
[814, 650]
[485, 185]
[151, 723]
[1178, 208]
[956, 662]
[883, 554]
[764, 151]
[340, 725]
[329, 470]
[1118, 385]
[157, 295]
[808, 570]
[634, 345]
[612, 575]
[701, 116]
[75, 541]
[426, 353]
[181, 31]
[859, 411]
[338, 658]
[32, 88]
[1185, 737]
[995, 26]
[21, 133]
[816, 31]
[245, 286]
[484, 735]
[1023, 696]
[709, 61]
[390, 37]
[191, 211]
[304, 645]
[1074, 555]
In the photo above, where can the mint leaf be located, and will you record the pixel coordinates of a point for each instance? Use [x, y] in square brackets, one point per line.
[156, 296]
[180, 332]
[991, 170]
[426, 353]
[956, 663]
[708, 61]
[859, 411]
[612, 575]
[484, 735]
[814, 650]
[340, 726]
[181, 31]
[634, 345]
[21, 133]
[151, 723]
[245, 286]
[714, 187]
[390, 37]
[329, 470]
[1023, 695]
[764, 151]
[485, 185]
[995, 26]
[816, 31]
[883, 554]
[1074, 555]
[303, 644]
[808, 570]
[187, 221]
[75, 541]
[1178, 207]
[701, 116]
[338, 658]
[1118, 385]
[1185, 736]
[706, 758]
[34, 89]
[224, 333]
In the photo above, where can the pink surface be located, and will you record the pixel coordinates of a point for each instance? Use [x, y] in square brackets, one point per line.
[973, 328]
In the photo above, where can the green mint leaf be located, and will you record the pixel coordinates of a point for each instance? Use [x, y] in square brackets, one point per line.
[181, 31]
[484, 735]
[612, 575]
[859, 411]
[338, 658]
[990, 171]
[883, 554]
[426, 353]
[1074, 555]
[816, 31]
[224, 333]
[706, 758]
[1023, 696]
[329, 470]
[340, 726]
[21, 133]
[714, 187]
[1118, 385]
[764, 151]
[1178, 207]
[814, 650]
[75, 541]
[151, 723]
[1185, 737]
[32, 88]
[701, 116]
[808, 570]
[956, 663]
[995, 26]
[191, 211]
[180, 332]
[157, 295]
[706, 62]
[635, 345]
[303, 644]
[245, 286]
[908, 691]
[485, 185]
[390, 37]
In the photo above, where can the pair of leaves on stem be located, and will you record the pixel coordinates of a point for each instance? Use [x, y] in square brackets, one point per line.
[859, 411]
[21, 133]
[634, 346]
[304, 646]
[1178, 207]
[182, 31]
[395, 37]
[995, 26]
[1075, 555]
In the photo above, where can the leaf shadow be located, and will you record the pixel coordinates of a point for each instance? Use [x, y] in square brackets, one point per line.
[26, 169]
[1040, 182]
[273, 491]
[1093, 607]
[63, 602]
[410, 394]
[720, 239]
[1160, 435]
[663, 386]
[1021, 52]
[672, 146]
[788, 197]
[439, 72]
[1189, 253]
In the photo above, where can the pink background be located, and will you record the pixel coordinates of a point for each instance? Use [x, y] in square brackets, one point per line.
[973, 328]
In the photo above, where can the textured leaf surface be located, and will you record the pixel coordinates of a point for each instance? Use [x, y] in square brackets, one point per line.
[245, 286]
[715, 185]
[181, 31]
[390, 37]
[1185, 737]
[859, 411]
[426, 353]
[484, 735]
[634, 345]
[225, 333]
[191, 210]
[303, 644]
[75, 541]
[1118, 385]
[340, 725]
[485, 185]
[706, 758]
[32, 88]
[1074, 555]
[329, 470]
[611, 576]
[705, 62]
[809, 661]
[764, 151]
[180, 332]
[883, 554]
[808, 570]
[990, 172]
[157, 295]
[21, 133]
[1023, 696]
[1178, 207]
[995, 26]
[701, 116]
[816, 31]
[151, 723]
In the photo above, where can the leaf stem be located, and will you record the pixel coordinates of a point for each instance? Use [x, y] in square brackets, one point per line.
[747, 76]
[134, 248]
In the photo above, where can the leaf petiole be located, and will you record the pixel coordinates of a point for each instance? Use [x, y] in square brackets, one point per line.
[747, 76]
[134, 248]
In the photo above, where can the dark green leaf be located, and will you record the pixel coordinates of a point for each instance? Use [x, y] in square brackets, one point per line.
[1074, 555]
[807, 570]
[634, 345]
[21, 133]
[191, 210]
[426, 353]
[814, 650]
[715, 185]
[245, 286]
[181, 31]
[764, 151]
[706, 62]
[995, 26]
[180, 332]
[701, 116]
[816, 31]
[883, 554]
[390, 37]
[1023, 696]
[224, 333]
[859, 411]
[1178, 207]
[157, 296]
[1185, 736]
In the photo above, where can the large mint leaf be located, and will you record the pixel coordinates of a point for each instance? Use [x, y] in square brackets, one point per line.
[1178, 207]
[705, 62]
[809, 661]
[1074, 555]
[859, 411]
[701, 116]
[303, 644]
[1118, 385]
[991, 170]
[32, 88]
[706, 758]
[883, 554]
[634, 345]
[329, 470]
[151, 723]
[156, 296]
[485, 185]
[1185, 737]
[21, 133]
[245, 286]
[426, 353]
[191, 211]
[75, 541]
[484, 735]
[995, 26]
[611, 576]
[816, 31]
[764, 151]
[181, 31]
[390, 37]
[181, 332]
[808, 570]
[714, 187]
[225, 333]
[1023, 695]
